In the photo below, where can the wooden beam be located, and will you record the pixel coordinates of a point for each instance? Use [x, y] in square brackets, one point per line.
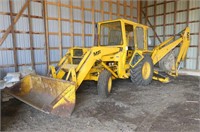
[172, 12]
[175, 13]
[145, 14]
[110, 8]
[138, 10]
[118, 9]
[168, 1]
[124, 6]
[71, 24]
[93, 23]
[59, 28]
[46, 26]
[31, 36]
[14, 22]
[155, 5]
[131, 10]
[164, 20]
[198, 50]
[102, 10]
[13, 36]
[83, 23]
[152, 27]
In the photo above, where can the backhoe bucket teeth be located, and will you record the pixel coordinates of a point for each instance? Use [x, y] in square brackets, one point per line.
[46, 94]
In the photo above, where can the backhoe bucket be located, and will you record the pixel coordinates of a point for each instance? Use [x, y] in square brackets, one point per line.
[46, 94]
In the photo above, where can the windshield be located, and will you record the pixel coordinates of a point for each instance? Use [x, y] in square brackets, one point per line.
[111, 34]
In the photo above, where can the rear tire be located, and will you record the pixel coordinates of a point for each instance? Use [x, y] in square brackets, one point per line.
[104, 84]
[142, 74]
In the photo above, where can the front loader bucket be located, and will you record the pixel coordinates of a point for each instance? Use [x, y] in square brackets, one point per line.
[46, 94]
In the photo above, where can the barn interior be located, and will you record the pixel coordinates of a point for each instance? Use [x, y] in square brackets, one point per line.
[35, 34]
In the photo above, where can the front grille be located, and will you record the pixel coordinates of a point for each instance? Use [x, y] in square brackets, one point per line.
[78, 52]
[76, 60]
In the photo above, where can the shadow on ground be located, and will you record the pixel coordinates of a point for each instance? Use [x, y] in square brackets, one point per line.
[157, 107]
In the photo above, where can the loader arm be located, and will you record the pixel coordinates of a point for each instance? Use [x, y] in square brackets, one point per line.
[167, 46]
[79, 73]
[89, 59]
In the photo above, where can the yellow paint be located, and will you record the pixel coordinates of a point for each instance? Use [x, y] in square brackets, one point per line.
[68, 97]
[164, 48]
[75, 66]
[109, 84]
[137, 52]
[146, 70]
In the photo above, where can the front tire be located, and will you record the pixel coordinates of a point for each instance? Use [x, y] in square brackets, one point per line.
[142, 74]
[104, 84]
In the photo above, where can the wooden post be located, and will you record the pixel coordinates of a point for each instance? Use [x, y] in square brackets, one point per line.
[198, 50]
[131, 9]
[175, 12]
[146, 14]
[118, 9]
[71, 24]
[13, 23]
[93, 23]
[46, 26]
[154, 36]
[13, 36]
[110, 7]
[141, 9]
[138, 10]
[124, 4]
[59, 28]
[83, 23]
[152, 27]
[102, 9]
[31, 36]
[164, 20]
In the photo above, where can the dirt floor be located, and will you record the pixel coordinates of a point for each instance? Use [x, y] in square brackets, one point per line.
[158, 107]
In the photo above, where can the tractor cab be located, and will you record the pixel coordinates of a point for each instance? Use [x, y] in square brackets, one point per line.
[127, 35]
[122, 33]
[121, 53]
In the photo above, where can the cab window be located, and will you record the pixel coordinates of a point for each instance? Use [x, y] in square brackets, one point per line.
[111, 34]
[140, 37]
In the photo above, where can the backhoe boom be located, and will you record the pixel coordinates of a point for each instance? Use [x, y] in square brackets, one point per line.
[167, 46]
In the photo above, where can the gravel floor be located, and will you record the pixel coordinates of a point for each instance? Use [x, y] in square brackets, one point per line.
[158, 107]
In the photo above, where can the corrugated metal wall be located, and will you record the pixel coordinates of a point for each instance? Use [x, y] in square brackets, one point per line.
[66, 23]
[171, 17]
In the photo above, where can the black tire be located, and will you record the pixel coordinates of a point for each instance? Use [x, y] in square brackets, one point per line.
[102, 84]
[136, 72]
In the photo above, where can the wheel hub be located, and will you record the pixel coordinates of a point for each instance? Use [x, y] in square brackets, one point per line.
[109, 84]
[146, 70]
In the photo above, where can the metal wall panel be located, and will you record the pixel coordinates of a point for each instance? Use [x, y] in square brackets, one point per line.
[160, 9]
[65, 27]
[170, 7]
[18, 5]
[181, 5]
[194, 3]
[169, 18]
[53, 40]
[194, 15]
[66, 41]
[23, 39]
[181, 23]
[5, 22]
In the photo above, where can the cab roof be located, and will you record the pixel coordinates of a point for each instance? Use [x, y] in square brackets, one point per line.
[126, 21]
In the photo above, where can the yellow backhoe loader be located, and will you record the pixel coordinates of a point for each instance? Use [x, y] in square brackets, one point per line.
[121, 52]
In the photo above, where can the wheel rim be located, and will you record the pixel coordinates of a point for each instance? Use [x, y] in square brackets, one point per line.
[109, 84]
[146, 70]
